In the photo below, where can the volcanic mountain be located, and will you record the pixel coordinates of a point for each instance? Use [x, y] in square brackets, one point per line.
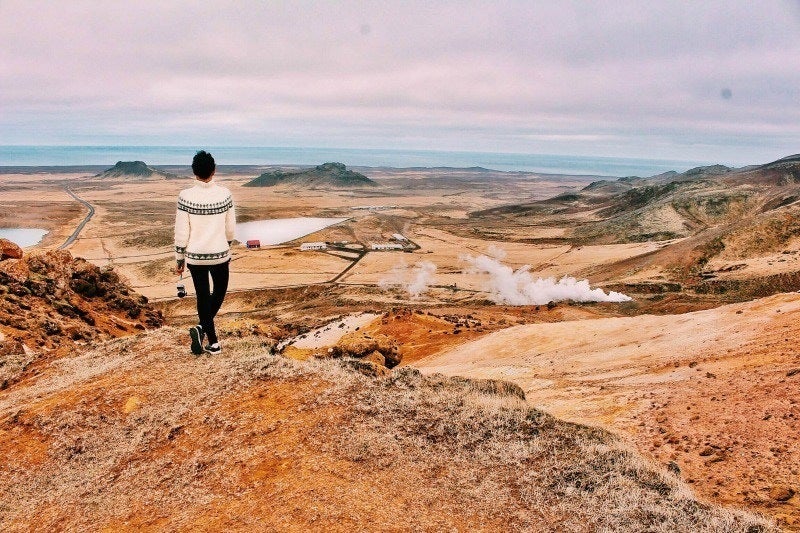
[327, 175]
[134, 169]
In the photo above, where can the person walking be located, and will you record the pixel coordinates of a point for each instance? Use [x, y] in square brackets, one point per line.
[204, 229]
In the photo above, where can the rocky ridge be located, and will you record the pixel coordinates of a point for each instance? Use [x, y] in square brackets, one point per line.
[52, 302]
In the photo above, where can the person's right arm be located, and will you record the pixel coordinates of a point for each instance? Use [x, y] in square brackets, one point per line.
[181, 238]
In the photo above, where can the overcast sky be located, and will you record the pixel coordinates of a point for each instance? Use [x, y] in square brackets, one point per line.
[707, 81]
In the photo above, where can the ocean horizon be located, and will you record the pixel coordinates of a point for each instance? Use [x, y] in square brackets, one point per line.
[70, 155]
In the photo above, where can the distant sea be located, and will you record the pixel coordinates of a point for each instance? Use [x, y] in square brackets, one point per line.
[226, 155]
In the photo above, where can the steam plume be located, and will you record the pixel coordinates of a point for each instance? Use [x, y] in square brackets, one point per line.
[414, 280]
[518, 287]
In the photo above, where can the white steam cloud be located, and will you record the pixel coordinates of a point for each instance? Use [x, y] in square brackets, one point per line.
[414, 280]
[518, 287]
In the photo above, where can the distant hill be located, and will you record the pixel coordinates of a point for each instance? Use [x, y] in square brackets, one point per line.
[135, 169]
[325, 175]
[669, 205]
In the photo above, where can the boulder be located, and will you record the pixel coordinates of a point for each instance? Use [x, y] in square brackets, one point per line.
[375, 357]
[781, 493]
[707, 451]
[9, 250]
[11, 347]
[360, 345]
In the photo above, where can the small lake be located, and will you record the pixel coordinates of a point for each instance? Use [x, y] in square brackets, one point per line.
[281, 230]
[23, 237]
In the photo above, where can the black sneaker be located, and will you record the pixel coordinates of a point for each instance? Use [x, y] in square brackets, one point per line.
[196, 333]
[213, 348]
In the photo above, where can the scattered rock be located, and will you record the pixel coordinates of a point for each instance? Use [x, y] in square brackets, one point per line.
[705, 452]
[793, 372]
[361, 345]
[716, 458]
[9, 250]
[781, 493]
[11, 347]
[375, 357]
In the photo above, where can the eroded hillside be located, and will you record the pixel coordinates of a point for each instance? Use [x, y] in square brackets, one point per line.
[715, 391]
[52, 303]
[733, 233]
[140, 435]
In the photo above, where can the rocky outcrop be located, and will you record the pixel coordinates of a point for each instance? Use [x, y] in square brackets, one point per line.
[377, 349]
[52, 301]
[9, 250]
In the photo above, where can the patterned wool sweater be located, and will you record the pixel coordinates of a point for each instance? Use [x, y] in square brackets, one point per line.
[204, 224]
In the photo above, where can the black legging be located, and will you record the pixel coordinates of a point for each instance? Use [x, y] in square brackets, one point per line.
[208, 303]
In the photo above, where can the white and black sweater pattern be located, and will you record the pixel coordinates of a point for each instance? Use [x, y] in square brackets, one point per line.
[204, 224]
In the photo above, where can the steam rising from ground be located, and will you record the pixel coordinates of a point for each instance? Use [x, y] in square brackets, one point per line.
[415, 280]
[518, 287]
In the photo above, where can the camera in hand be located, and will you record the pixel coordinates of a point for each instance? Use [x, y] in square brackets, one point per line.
[181, 290]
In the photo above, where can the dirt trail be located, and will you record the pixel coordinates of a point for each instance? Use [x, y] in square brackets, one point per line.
[715, 391]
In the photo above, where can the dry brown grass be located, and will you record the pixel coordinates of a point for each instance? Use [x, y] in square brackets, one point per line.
[138, 434]
[768, 233]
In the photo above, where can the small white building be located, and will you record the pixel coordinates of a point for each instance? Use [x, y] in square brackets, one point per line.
[373, 207]
[398, 237]
[386, 246]
[308, 246]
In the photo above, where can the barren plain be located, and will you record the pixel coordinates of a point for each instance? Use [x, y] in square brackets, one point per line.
[698, 370]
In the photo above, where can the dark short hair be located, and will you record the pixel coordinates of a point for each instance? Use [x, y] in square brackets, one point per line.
[203, 165]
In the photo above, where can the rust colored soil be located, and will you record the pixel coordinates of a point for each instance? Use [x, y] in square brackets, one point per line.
[714, 391]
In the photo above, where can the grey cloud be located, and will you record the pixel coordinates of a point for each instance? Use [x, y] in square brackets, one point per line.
[639, 79]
